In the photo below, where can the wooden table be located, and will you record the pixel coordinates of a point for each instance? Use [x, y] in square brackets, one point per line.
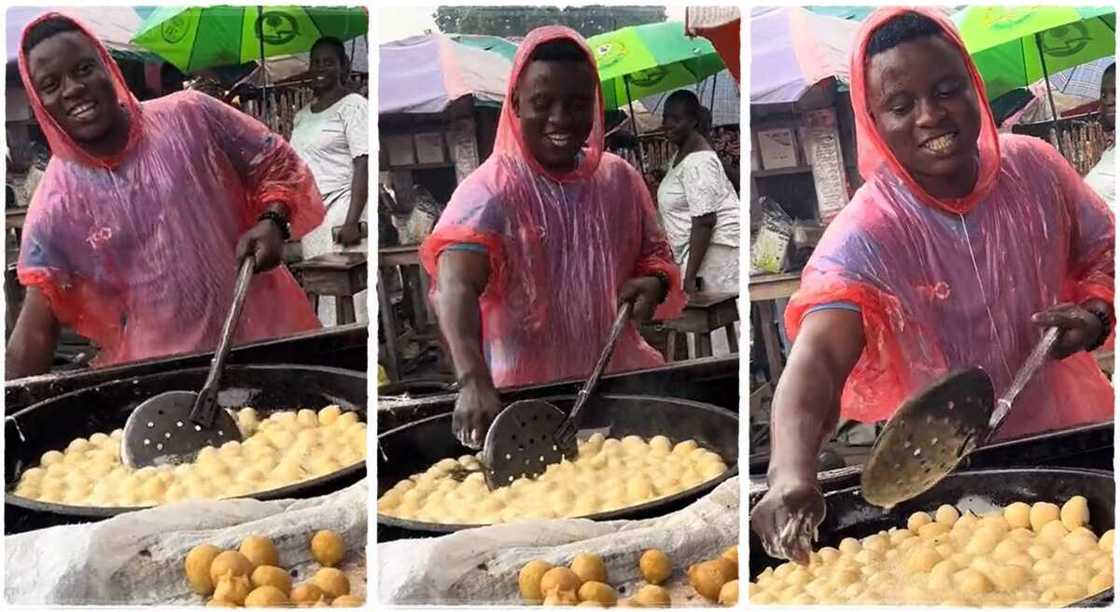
[406, 258]
[764, 290]
[340, 275]
[705, 313]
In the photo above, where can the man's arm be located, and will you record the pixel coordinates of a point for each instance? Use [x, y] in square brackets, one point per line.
[806, 405]
[34, 338]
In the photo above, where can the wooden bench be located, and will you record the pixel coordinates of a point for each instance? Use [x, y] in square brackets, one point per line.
[704, 314]
[339, 275]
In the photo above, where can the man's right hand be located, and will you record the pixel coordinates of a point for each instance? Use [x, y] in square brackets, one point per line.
[475, 409]
[789, 499]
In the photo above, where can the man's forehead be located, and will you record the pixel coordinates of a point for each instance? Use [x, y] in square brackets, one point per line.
[61, 46]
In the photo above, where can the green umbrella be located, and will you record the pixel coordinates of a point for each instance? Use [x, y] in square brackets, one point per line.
[1017, 46]
[638, 61]
[197, 38]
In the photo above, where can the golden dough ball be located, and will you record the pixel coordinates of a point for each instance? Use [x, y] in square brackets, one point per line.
[922, 559]
[217, 603]
[327, 548]
[731, 554]
[995, 523]
[1078, 575]
[878, 543]
[1075, 512]
[1040, 551]
[973, 582]
[1006, 549]
[850, 546]
[829, 554]
[347, 601]
[230, 562]
[708, 577]
[1080, 543]
[983, 542]
[763, 599]
[947, 515]
[917, 521]
[559, 578]
[845, 577]
[593, 604]
[560, 597]
[589, 568]
[652, 596]
[51, 457]
[1053, 532]
[529, 580]
[868, 557]
[598, 592]
[266, 597]
[1042, 513]
[332, 582]
[270, 575]
[729, 594]
[197, 568]
[1099, 583]
[330, 414]
[1045, 566]
[1021, 534]
[1063, 594]
[945, 567]
[1010, 578]
[1107, 539]
[306, 593]
[931, 531]
[232, 589]
[259, 550]
[1018, 515]
[799, 577]
[655, 566]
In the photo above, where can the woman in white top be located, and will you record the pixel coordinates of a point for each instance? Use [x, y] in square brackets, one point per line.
[331, 136]
[698, 205]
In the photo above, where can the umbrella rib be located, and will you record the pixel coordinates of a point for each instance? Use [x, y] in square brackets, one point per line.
[194, 41]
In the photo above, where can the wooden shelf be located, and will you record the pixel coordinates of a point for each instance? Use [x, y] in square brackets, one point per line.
[782, 171]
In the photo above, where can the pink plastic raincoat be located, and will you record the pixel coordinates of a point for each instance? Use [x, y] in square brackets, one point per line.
[560, 248]
[136, 251]
[949, 284]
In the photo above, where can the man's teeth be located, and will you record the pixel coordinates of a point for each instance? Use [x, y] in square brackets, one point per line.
[559, 140]
[82, 110]
[941, 143]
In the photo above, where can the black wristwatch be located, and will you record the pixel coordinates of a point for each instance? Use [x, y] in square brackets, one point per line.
[1106, 329]
[278, 220]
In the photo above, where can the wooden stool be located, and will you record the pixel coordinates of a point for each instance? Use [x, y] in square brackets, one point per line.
[339, 275]
[705, 313]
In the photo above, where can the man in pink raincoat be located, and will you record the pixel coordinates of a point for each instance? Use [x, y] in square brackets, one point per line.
[539, 246]
[136, 230]
[960, 247]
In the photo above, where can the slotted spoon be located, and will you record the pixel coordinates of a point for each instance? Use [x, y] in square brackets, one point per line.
[935, 430]
[173, 426]
[530, 435]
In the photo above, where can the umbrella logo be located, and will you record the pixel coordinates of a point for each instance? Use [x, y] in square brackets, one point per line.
[609, 53]
[1066, 40]
[276, 28]
[174, 30]
[649, 78]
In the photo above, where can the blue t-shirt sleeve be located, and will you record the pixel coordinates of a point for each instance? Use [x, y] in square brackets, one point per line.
[832, 306]
[470, 247]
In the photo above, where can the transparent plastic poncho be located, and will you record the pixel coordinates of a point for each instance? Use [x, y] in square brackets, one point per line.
[137, 251]
[560, 248]
[949, 284]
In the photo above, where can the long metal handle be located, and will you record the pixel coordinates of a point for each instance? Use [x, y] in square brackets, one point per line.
[1029, 368]
[568, 426]
[206, 406]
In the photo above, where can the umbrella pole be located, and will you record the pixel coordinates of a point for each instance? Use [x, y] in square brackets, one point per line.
[1049, 91]
[264, 69]
[634, 122]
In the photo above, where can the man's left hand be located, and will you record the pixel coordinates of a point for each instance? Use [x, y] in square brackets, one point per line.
[349, 234]
[1080, 328]
[645, 293]
[265, 242]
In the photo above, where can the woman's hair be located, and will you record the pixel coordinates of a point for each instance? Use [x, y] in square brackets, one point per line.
[897, 30]
[46, 29]
[689, 103]
[560, 50]
[335, 45]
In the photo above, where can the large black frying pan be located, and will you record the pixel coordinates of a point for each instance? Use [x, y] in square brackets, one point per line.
[413, 448]
[849, 515]
[52, 424]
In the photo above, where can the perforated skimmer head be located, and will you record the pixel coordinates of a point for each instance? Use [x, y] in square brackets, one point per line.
[929, 435]
[522, 441]
[163, 431]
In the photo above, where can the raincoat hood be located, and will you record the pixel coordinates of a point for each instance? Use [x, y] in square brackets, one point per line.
[510, 140]
[874, 154]
[62, 145]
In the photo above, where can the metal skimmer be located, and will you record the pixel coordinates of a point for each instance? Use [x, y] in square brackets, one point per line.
[173, 426]
[935, 430]
[530, 435]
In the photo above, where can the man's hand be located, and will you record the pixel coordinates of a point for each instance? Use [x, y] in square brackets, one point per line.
[475, 409]
[349, 234]
[789, 499]
[265, 242]
[1080, 329]
[645, 293]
